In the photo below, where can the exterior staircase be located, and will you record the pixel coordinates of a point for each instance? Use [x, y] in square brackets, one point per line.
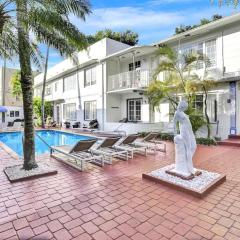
[232, 141]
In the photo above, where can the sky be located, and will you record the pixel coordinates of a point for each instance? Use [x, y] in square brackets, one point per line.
[153, 20]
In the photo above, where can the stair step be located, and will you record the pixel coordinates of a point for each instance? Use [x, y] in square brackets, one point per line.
[229, 143]
[234, 137]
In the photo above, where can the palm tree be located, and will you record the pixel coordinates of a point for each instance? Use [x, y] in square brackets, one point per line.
[50, 24]
[181, 79]
[43, 88]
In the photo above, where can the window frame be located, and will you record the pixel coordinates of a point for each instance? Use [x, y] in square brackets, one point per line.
[135, 110]
[16, 113]
[91, 82]
[205, 52]
[11, 114]
[56, 84]
[195, 102]
[48, 90]
[91, 115]
[64, 112]
[137, 65]
[195, 46]
[75, 84]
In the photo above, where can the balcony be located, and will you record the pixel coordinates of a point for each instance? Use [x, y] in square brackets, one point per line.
[136, 79]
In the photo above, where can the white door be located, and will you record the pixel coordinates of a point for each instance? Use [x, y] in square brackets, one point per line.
[134, 110]
[58, 114]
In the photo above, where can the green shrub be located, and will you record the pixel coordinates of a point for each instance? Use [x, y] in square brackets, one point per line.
[161, 136]
[166, 136]
[170, 137]
[143, 134]
[206, 141]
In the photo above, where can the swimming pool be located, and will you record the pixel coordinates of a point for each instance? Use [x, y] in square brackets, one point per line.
[53, 138]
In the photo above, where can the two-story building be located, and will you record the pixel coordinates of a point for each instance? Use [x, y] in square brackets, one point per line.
[76, 88]
[109, 80]
[12, 105]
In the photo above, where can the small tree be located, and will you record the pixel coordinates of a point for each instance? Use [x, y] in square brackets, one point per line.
[181, 79]
[16, 85]
[128, 37]
[37, 108]
[182, 28]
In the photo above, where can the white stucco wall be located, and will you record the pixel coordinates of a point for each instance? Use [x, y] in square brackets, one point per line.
[113, 107]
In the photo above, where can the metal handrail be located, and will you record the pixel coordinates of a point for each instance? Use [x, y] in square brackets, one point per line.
[43, 140]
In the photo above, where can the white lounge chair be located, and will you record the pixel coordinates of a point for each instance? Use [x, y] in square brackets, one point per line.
[79, 154]
[152, 143]
[129, 144]
[109, 151]
[17, 126]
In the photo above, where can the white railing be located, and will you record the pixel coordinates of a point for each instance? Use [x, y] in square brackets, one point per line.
[131, 79]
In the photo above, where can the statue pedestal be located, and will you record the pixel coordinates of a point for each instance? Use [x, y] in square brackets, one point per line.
[198, 186]
[175, 173]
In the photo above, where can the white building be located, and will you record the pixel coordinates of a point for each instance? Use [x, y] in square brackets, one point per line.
[109, 80]
[11, 103]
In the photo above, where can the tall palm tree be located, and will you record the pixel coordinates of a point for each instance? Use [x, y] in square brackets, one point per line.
[49, 22]
[44, 87]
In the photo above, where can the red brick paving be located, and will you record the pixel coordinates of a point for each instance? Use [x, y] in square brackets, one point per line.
[115, 203]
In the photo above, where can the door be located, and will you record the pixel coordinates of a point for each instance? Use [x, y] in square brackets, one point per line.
[134, 110]
[3, 117]
[58, 114]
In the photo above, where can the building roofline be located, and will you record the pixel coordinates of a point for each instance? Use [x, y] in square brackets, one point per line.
[201, 29]
[127, 50]
[69, 71]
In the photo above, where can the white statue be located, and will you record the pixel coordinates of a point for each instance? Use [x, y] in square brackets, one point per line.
[185, 144]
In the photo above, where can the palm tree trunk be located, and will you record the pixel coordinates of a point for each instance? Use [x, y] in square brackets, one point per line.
[44, 86]
[27, 88]
[206, 113]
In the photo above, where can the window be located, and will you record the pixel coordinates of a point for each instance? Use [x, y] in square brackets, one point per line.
[48, 91]
[90, 77]
[70, 83]
[134, 108]
[69, 111]
[137, 65]
[56, 86]
[198, 104]
[11, 113]
[16, 113]
[38, 91]
[210, 48]
[90, 110]
[193, 49]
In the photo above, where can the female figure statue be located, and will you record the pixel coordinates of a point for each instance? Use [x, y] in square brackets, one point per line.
[185, 143]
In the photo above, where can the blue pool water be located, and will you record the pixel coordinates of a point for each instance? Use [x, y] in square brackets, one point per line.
[53, 138]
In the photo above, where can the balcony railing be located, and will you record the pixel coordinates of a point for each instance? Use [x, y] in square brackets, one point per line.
[133, 79]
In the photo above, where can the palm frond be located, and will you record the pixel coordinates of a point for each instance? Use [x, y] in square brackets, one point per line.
[52, 39]
[59, 25]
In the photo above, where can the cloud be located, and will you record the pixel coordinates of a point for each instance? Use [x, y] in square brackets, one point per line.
[152, 24]
[161, 2]
[128, 17]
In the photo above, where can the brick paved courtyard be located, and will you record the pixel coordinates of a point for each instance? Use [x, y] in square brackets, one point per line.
[115, 203]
